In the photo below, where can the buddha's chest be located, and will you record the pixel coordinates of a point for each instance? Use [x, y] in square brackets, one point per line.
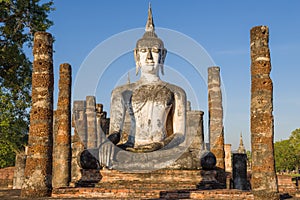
[157, 94]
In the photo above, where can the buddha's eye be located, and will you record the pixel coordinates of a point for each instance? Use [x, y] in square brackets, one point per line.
[143, 50]
[155, 50]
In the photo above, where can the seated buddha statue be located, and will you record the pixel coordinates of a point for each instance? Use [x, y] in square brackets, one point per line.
[157, 109]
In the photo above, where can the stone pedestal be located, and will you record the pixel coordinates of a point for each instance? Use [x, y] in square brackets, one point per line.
[239, 171]
[215, 115]
[38, 170]
[264, 180]
[62, 137]
[209, 180]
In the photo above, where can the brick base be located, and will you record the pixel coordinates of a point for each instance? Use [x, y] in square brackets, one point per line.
[145, 193]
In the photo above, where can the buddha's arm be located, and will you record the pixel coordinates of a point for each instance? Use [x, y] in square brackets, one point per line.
[179, 118]
[117, 112]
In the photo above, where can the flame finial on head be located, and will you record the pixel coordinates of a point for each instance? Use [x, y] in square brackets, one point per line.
[150, 23]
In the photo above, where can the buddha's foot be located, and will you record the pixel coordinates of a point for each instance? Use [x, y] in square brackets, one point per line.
[126, 145]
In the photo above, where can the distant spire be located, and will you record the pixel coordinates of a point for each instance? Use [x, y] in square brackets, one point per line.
[149, 24]
[241, 148]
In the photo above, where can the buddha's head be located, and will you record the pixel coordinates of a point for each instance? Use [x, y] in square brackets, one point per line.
[149, 53]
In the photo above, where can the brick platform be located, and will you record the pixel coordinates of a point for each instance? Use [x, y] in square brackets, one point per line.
[157, 184]
[150, 194]
[6, 177]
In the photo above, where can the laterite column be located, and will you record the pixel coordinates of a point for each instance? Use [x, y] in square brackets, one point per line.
[264, 180]
[62, 138]
[38, 170]
[215, 115]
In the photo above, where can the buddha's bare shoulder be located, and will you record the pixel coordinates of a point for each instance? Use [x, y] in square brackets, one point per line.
[175, 89]
[123, 88]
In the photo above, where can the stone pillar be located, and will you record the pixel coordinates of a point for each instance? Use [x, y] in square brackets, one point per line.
[19, 170]
[77, 148]
[100, 133]
[239, 171]
[91, 122]
[61, 168]
[215, 115]
[38, 170]
[79, 120]
[195, 135]
[264, 180]
[228, 161]
[105, 123]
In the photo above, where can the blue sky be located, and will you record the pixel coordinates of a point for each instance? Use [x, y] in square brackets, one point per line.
[222, 28]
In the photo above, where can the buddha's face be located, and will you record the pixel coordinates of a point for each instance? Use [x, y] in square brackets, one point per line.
[149, 57]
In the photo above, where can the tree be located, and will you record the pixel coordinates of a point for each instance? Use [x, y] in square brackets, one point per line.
[295, 143]
[19, 20]
[287, 152]
[284, 156]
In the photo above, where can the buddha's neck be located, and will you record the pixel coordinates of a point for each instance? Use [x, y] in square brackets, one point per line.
[149, 78]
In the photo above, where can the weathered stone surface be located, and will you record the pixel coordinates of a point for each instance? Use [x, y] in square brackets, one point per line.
[100, 133]
[91, 122]
[38, 168]
[264, 180]
[215, 115]
[102, 124]
[77, 148]
[62, 136]
[194, 142]
[19, 170]
[80, 121]
[239, 171]
[228, 161]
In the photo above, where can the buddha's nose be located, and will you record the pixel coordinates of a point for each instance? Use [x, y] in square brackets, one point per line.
[149, 55]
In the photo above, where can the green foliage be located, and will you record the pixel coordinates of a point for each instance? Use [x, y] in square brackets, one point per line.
[19, 20]
[295, 143]
[287, 152]
[284, 155]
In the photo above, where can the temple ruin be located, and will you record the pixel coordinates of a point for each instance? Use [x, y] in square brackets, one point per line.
[152, 144]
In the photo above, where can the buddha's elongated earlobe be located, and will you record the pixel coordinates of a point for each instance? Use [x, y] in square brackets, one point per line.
[137, 61]
[162, 60]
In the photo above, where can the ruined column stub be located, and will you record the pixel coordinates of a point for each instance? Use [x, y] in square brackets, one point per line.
[264, 180]
[228, 160]
[38, 170]
[195, 136]
[77, 148]
[19, 170]
[79, 120]
[91, 122]
[215, 115]
[100, 133]
[62, 138]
